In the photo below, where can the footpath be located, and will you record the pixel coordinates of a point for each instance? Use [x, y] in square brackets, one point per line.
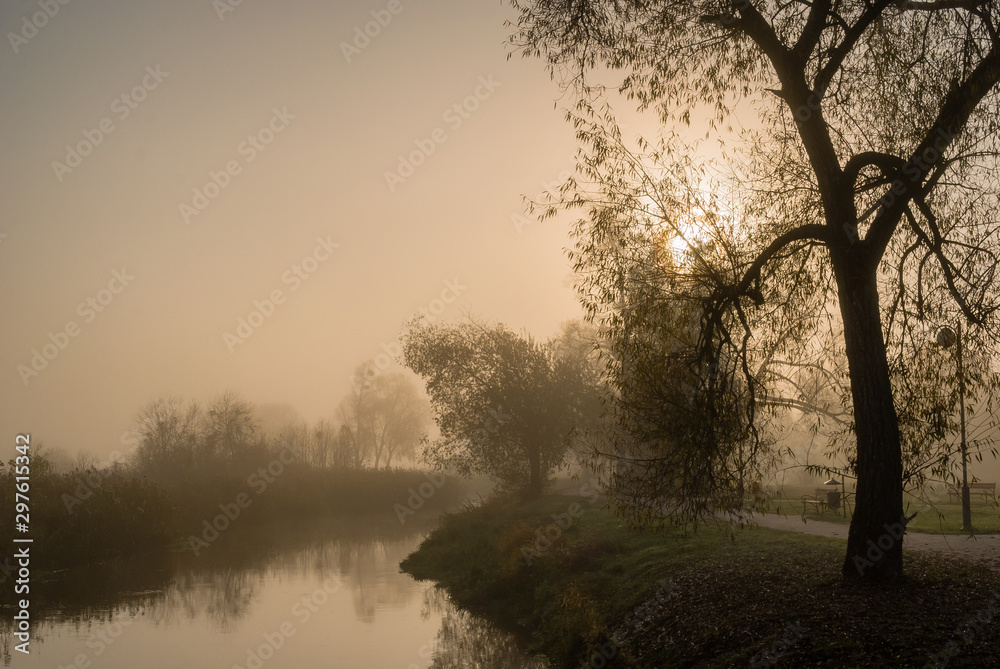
[983, 549]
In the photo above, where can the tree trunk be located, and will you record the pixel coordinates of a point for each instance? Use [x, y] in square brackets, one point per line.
[875, 539]
[534, 488]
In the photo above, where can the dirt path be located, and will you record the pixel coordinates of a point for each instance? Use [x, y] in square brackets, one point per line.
[983, 549]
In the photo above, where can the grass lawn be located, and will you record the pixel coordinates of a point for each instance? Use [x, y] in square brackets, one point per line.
[939, 516]
[564, 570]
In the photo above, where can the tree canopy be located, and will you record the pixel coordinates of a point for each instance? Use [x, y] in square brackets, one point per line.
[506, 406]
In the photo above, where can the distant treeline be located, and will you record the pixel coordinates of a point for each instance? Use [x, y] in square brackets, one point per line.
[193, 476]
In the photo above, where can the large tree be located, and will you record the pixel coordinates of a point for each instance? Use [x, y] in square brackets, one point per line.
[863, 175]
[506, 406]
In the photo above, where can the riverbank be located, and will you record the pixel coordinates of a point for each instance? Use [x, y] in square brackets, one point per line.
[106, 515]
[590, 593]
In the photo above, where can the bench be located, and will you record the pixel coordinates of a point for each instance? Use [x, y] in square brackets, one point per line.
[818, 504]
[819, 500]
[984, 490]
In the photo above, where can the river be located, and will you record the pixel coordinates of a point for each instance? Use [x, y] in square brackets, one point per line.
[324, 595]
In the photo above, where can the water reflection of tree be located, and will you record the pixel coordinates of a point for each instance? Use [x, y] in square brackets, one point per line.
[436, 602]
[363, 553]
[228, 598]
[225, 594]
[224, 597]
[39, 632]
[6, 631]
[374, 576]
[467, 641]
[470, 642]
[221, 585]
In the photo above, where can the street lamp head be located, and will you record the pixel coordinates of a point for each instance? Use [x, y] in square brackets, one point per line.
[946, 337]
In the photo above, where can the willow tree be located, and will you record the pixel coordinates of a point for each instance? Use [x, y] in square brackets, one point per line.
[863, 175]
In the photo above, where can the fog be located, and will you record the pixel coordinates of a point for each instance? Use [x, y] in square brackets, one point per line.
[229, 224]
[239, 162]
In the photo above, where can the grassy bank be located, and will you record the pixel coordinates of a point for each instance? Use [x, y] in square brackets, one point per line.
[761, 598]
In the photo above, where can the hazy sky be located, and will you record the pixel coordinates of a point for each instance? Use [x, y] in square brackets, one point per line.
[169, 168]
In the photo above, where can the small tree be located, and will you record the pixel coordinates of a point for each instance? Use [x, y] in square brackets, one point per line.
[168, 433]
[386, 416]
[343, 448]
[579, 349]
[324, 438]
[231, 426]
[505, 406]
[404, 416]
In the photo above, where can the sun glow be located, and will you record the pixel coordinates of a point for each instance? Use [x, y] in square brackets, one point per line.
[689, 232]
[680, 232]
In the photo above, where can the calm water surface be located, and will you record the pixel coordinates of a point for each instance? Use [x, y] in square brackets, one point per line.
[291, 598]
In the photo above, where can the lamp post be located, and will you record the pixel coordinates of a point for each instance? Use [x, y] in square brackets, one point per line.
[946, 337]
